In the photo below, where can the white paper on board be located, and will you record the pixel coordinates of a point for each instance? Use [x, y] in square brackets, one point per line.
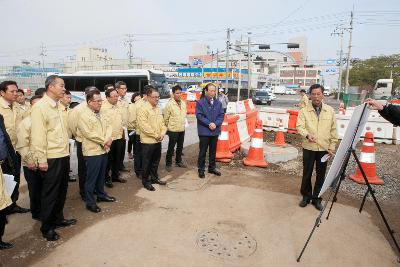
[350, 140]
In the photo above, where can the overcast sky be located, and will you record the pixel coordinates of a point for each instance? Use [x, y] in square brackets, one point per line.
[165, 30]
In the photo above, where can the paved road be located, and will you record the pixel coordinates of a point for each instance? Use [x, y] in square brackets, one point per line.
[288, 101]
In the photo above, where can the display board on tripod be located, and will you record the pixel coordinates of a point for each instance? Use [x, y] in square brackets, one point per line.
[350, 140]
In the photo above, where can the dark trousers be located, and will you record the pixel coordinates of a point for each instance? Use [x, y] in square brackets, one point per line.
[81, 168]
[96, 170]
[114, 159]
[54, 192]
[205, 143]
[17, 177]
[131, 142]
[309, 158]
[34, 181]
[137, 165]
[175, 138]
[151, 158]
[122, 156]
[3, 221]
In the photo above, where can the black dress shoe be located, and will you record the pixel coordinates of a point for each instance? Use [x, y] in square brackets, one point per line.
[202, 175]
[149, 187]
[17, 209]
[5, 245]
[181, 165]
[106, 199]
[66, 223]
[51, 235]
[158, 181]
[71, 179]
[217, 173]
[304, 202]
[119, 180]
[109, 184]
[317, 204]
[93, 208]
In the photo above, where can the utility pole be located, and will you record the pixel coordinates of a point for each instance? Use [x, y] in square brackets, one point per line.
[248, 65]
[228, 43]
[240, 79]
[43, 54]
[212, 65]
[339, 32]
[349, 54]
[129, 44]
[217, 68]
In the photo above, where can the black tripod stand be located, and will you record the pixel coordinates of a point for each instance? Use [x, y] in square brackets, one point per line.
[342, 175]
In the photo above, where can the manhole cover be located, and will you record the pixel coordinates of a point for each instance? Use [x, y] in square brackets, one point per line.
[227, 244]
[188, 182]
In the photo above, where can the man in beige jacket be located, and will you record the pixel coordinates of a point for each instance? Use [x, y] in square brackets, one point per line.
[175, 120]
[12, 117]
[31, 173]
[50, 146]
[96, 141]
[111, 113]
[152, 132]
[317, 124]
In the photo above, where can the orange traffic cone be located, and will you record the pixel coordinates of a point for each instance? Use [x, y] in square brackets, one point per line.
[280, 136]
[224, 154]
[341, 109]
[367, 160]
[255, 157]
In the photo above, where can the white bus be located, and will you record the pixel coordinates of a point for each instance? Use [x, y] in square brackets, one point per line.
[135, 80]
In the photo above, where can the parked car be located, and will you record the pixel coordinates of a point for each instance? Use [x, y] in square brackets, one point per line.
[272, 96]
[290, 92]
[262, 97]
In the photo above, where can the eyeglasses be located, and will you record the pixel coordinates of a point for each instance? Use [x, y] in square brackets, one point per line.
[155, 97]
[97, 101]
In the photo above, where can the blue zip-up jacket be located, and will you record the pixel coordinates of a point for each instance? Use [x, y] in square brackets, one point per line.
[206, 114]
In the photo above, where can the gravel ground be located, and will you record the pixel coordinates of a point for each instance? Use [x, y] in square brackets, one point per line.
[387, 157]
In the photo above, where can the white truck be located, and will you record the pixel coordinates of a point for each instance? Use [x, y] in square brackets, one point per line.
[382, 89]
[280, 89]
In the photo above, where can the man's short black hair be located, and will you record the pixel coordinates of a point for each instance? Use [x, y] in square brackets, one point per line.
[34, 97]
[40, 91]
[302, 91]
[150, 90]
[5, 84]
[73, 104]
[134, 95]
[91, 94]
[50, 81]
[107, 86]
[176, 88]
[89, 88]
[316, 86]
[109, 91]
[21, 91]
[119, 83]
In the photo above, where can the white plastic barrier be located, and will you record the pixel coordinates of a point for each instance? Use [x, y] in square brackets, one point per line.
[396, 135]
[231, 108]
[251, 104]
[272, 116]
[377, 125]
[242, 128]
[240, 108]
[191, 97]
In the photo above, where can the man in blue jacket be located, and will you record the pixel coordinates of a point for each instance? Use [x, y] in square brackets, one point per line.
[210, 115]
